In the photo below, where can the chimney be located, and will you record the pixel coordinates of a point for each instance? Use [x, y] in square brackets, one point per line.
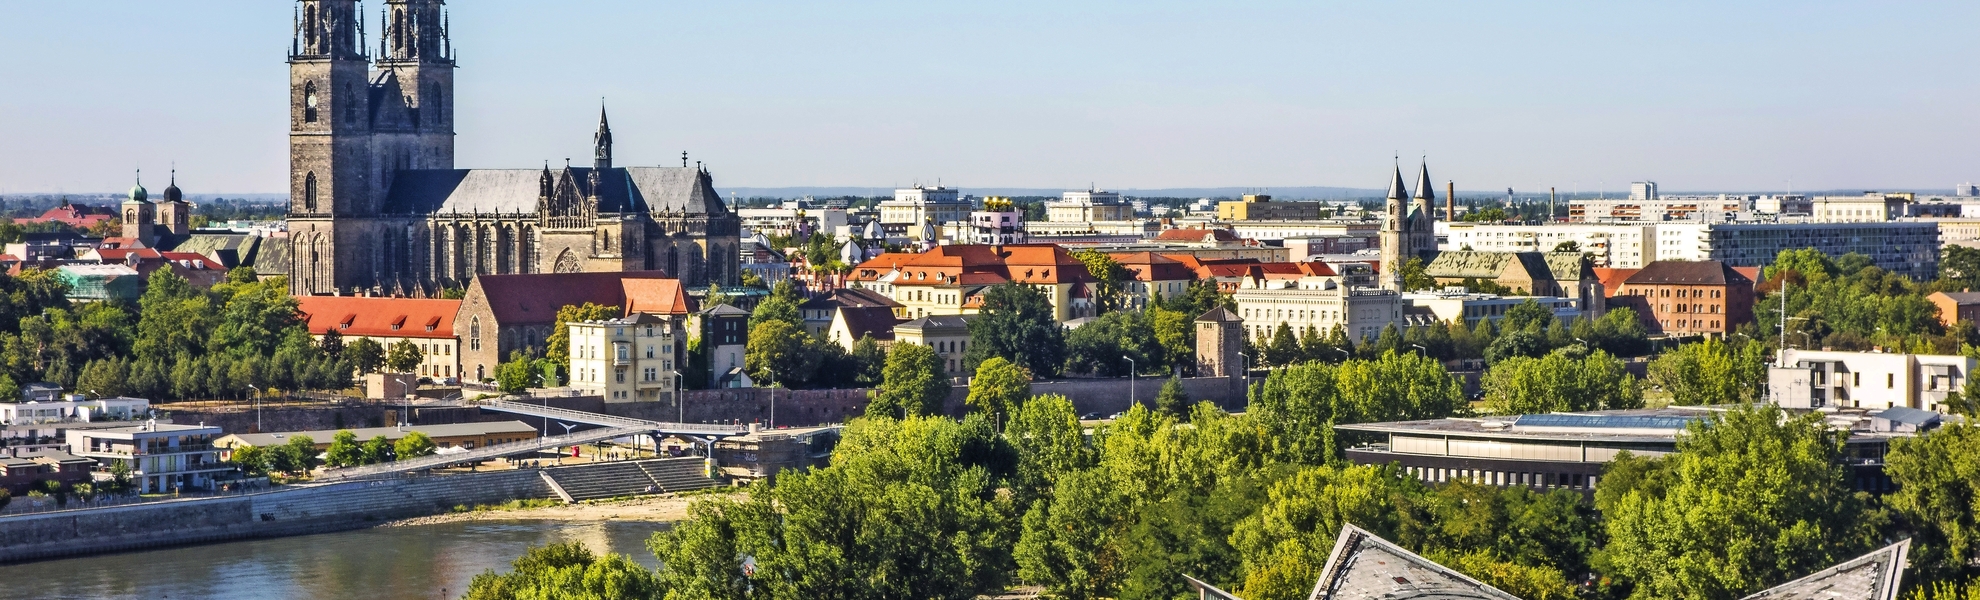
[1450, 200]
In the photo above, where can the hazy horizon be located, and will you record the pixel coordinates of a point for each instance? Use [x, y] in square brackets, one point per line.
[1697, 96]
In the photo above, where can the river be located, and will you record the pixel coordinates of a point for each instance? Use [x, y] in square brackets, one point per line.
[420, 561]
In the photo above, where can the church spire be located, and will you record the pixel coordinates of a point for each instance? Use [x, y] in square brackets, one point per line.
[1425, 190]
[602, 153]
[1397, 191]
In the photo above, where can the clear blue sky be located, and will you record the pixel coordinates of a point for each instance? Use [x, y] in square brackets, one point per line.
[1580, 95]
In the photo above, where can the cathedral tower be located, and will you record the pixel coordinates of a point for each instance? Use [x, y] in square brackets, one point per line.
[330, 167]
[1423, 219]
[415, 49]
[1395, 235]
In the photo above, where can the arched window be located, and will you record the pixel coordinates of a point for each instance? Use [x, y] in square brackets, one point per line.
[350, 105]
[309, 192]
[439, 103]
[309, 102]
[398, 30]
[474, 333]
[309, 26]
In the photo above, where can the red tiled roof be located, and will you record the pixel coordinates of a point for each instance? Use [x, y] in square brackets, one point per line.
[535, 297]
[1612, 279]
[655, 296]
[1149, 266]
[118, 255]
[969, 264]
[1681, 272]
[380, 317]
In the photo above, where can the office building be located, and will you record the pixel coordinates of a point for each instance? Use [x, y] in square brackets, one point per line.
[1909, 248]
[1711, 209]
[1087, 206]
[1261, 207]
[915, 212]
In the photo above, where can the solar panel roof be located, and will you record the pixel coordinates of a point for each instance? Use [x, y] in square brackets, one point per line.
[1607, 421]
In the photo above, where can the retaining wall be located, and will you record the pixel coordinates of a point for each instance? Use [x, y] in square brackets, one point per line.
[292, 511]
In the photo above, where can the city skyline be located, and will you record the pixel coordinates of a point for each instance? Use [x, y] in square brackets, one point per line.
[1156, 96]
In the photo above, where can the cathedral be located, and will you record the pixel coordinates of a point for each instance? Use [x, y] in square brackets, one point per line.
[1409, 226]
[377, 207]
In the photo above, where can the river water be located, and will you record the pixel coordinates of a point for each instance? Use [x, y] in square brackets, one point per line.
[421, 561]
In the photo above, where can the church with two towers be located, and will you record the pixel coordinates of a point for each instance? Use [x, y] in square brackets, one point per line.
[377, 207]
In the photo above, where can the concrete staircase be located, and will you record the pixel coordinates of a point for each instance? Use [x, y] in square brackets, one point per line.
[631, 478]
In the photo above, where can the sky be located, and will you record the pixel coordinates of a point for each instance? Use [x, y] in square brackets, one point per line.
[1582, 96]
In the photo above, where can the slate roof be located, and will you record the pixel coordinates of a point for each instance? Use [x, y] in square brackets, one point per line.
[272, 257]
[1364, 566]
[849, 298]
[535, 297]
[1962, 298]
[937, 322]
[721, 310]
[1219, 315]
[1469, 264]
[379, 317]
[1873, 576]
[877, 321]
[630, 189]
[230, 249]
[1567, 266]
[1683, 272]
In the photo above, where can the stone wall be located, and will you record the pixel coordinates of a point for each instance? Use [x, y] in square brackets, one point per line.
[310, 418]
[296, 510]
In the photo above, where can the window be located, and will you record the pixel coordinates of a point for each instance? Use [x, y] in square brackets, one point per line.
[309, 192]
[618, 375]
[474, 333]
[1890, 381]
[649, 350]
[309, 102]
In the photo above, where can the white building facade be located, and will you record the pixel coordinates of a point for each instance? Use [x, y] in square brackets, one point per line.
[1875, 380]
[1318, 302]
[914, 207]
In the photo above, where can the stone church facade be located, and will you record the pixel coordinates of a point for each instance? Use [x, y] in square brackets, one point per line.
[377, 207]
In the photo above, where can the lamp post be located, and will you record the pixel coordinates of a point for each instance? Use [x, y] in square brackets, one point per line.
[567, 435]
[257, 407]
[773, 399]
[680, 406]
[1131, 398]
[1426, 351]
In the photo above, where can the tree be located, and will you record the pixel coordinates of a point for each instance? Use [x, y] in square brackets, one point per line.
[558, 345]
[1560, 382]
[344, 450]
[1298, 407]
[253, 461]
[1515, 343]
[1017, 323]
[567, 570]
[1285, 544]
[377, 450]
[1106, 345]
[1172, 400]
[1416, 277]
[1711, 373]
[1175, 332]
[1526, 316]
[297, 456]
[779, 351]
[1938, 480]
[414, 445]
[1750, 499]
[870, 360]
[332, 344]
[913, 384]
[366, 355]
[1111, 280]
[999, 387]
[405, 357]
[516, 374]
[1283, 349]
[781, 305]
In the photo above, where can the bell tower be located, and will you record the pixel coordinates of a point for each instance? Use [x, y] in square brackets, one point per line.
[329, 140]
[416, 47]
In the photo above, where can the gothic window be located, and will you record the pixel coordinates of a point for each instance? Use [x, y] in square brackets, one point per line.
[309, 192]
[674, 262]
[398, 30]
[350, 105]
[474, 333]
[567, 262]
[309, 102]
[309, 26]
[439, 103]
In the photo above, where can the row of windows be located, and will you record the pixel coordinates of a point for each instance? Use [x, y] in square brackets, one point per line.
[1506, 478]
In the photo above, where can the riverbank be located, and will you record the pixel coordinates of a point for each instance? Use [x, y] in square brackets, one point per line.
[664, 508]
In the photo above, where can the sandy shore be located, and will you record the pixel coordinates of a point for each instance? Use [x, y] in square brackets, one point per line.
[665, 508]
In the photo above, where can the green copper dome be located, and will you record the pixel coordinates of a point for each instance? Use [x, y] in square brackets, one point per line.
[138, 193]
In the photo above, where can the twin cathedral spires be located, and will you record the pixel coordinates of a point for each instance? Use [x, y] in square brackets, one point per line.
[414, 31]
[1409, 225]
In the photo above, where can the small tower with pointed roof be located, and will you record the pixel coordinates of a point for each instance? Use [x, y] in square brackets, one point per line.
[1395, 232]
[138, 216]
[174, 213]
[601, 154]
[1219, 339]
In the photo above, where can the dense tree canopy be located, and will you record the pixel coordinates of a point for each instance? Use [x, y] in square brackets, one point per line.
[1560, 381]
[1017, 323]
[913, 383]
[1711, 373]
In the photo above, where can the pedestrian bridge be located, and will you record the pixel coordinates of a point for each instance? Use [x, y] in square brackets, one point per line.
[604, 427]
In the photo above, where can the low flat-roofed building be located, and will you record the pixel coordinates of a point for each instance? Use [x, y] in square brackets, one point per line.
[762, 454]
[22, 470]
[1450, 306]
[76, 408]
[162, 457]
[1562, 450]
[466, 436]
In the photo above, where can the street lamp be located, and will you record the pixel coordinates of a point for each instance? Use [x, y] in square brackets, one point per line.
[257, 407]
[1426, 351]
[1245, 362]
[1131, 398]
[680, 407]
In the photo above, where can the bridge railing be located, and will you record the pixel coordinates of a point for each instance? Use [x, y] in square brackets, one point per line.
[592, 418]
[481, 454]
